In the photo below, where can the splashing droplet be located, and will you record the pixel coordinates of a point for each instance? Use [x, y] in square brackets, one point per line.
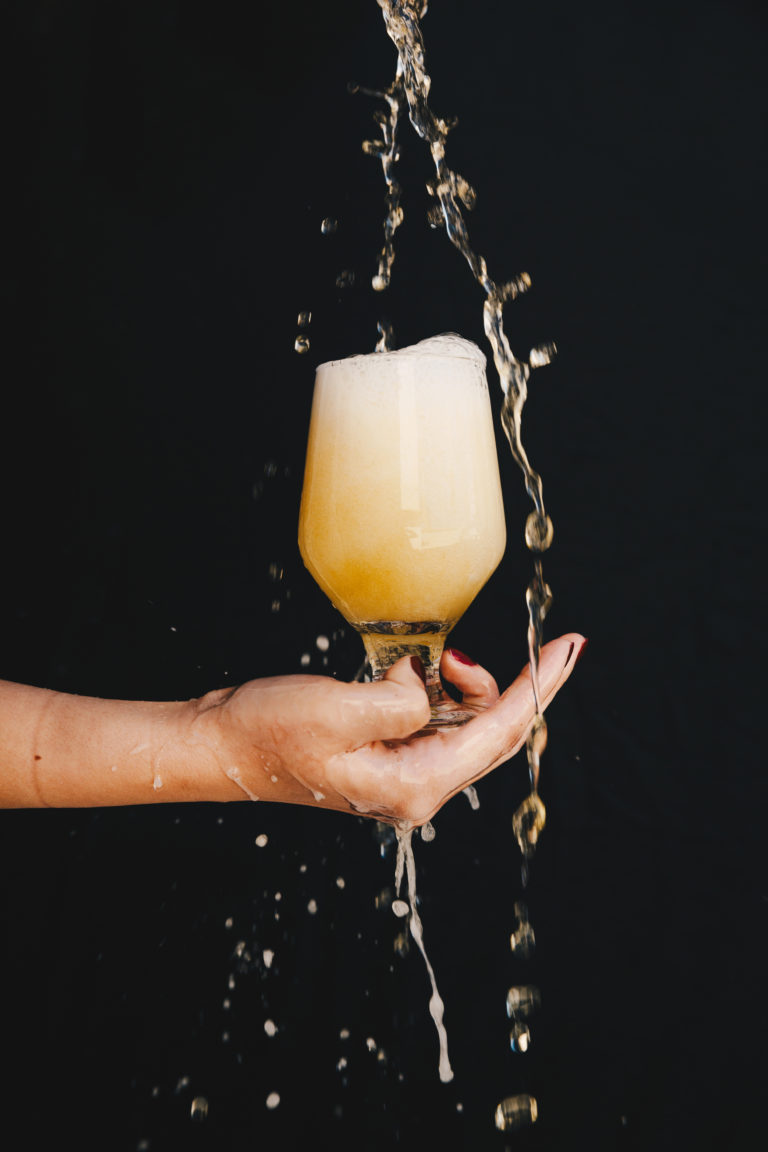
[538, 531]
[522, 1001]
[528, 822]
[519, 1037]
[199, 1108]
[471, 794]
[542, 355]
[516, 1112]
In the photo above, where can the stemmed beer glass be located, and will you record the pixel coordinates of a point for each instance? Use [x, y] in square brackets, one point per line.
[402, 520]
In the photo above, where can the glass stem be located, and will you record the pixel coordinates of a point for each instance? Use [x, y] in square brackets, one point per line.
[384, 651]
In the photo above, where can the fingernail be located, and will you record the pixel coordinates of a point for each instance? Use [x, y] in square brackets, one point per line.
[418, 668]
[580, 652]
[462, 658]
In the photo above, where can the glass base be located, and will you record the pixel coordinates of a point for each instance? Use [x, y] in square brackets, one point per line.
[387, 641]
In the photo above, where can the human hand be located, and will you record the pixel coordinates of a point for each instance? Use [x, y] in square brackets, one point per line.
[351, 747]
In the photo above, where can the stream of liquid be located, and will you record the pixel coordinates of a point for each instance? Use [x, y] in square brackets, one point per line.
[452, 194]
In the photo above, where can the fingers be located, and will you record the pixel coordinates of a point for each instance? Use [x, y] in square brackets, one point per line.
[478, 688]
[498, 733]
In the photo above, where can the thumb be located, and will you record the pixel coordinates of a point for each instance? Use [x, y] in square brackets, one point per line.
[388, 709]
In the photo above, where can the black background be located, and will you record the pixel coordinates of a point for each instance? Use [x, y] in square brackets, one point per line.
[167, 168]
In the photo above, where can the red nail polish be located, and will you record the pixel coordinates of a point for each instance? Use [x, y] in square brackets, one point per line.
[580, 653]
[462, 659]
[418, 668]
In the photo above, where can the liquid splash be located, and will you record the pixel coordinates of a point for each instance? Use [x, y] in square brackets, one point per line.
[406, 864]
[452, 194]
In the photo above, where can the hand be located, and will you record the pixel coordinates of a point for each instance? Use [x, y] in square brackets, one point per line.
[351, 747]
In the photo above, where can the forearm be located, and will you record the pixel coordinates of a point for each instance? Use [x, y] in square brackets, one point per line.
[59, 750]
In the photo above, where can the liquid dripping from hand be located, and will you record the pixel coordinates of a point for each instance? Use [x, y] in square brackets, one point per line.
[406, 863]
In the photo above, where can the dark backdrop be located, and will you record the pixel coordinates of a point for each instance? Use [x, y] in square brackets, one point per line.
[167, 168]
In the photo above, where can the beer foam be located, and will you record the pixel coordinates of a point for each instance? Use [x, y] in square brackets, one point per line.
[448, 345]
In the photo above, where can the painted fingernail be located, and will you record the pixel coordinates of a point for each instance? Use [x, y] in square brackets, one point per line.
[418, 668]
[580, 652]
[462, 658]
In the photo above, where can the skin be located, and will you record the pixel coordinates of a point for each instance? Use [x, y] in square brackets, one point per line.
[290, 739]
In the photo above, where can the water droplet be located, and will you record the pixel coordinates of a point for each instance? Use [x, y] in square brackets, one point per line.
[379, 282]
[345, 278]
[459, 1106]
[344, 1034]
[340, 882]
[522, 1001]
[528, 822]
[181, 1084]
[400, 908]
[273, 1100]
[471, 794]
[522, 940]
[428, 831]
[268, 956]
[262, 840]
[304, 318]
[329, 226]
[370, 1044]
[301, 344]
[305, 659]
[538, 531]
[515, 1112]
[270, 1027]
[519, 1037]
[341, 1064]
[312, 907]
[275, 571]
[228, 922]
[199, 1108]
[541, 355]
[323, 643]
[226, 1005]
[157, 783]
[143, 1146]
